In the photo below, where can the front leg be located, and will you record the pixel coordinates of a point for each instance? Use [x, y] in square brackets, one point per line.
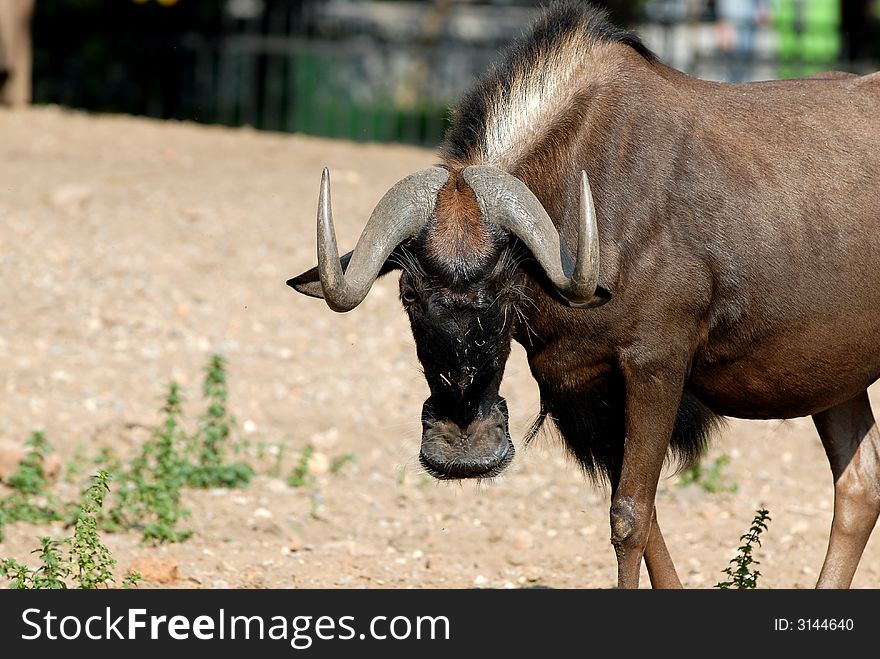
[653, 395]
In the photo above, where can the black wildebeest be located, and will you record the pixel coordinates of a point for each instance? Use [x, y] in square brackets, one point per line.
[739, 232]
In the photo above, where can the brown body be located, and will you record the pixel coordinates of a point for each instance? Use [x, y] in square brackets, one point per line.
[747, 270]
[739, 233]
[751, 246]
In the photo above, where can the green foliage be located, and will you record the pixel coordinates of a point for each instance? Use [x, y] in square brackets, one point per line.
[31, 477]
[209, 444]
[90, 559]
[740, 569]
[74, 467]
[300, 477]
[53, 570]
[150, 488]
[19, 575]
[18, 507]
[339, 463]
[29, 502]
[710, 479]
[88, 563]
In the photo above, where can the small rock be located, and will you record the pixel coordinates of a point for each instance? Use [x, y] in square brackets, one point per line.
[319, 463]
[799, 527]
[220, 583]
[158, 569]
[325, 440]
[277, 486]
[70, 197]
[533, 573]
[521, 539]
[263, 513]
[480, 580]
[267, 526]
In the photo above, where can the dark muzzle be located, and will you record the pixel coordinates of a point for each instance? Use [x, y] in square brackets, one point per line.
[481, 449]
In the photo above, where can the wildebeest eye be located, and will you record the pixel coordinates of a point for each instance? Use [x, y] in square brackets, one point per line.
[409, 296]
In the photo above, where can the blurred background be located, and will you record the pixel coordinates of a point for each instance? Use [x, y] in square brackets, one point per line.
[379, 70]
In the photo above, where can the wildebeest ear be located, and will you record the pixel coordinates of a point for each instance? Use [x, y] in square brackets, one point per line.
[600, 297]
[309, 282]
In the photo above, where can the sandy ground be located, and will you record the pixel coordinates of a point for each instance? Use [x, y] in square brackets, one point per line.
[130, 250]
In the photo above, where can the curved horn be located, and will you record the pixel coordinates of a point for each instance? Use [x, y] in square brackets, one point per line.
[400, 214]
[509, 202]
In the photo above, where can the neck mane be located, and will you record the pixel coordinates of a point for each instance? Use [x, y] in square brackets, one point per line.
[542, 85]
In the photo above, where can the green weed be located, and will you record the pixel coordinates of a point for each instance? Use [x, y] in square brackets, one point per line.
[29, 502]
[339, 463]
[30, 478]
[740, 569]
[211, 441]
[300, 477]
[710, 478]
[150, 488]
[88, 562]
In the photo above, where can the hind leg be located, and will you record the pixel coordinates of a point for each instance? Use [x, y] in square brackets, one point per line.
[852, 442]
[661, 570]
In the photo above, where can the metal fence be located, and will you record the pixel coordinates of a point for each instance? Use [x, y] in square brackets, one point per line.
[354, 82]
[355, 89]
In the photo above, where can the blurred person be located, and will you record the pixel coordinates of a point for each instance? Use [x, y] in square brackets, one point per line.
[15, 51]
[737, 26]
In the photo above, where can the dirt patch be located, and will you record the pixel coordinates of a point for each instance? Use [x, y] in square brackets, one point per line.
[130, 250]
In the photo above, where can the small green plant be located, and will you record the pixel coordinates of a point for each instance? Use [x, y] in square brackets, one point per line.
[88, 563]
[50, 575]
[90, 559]
[300, 477]
[30, 478]
[74, 467]
[18, 507]
[710, 478]
[210, 443]
[339, 463]
[149, 493]
[740, 568]
[29, 502]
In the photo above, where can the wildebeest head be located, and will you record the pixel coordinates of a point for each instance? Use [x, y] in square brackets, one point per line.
[461, 239]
